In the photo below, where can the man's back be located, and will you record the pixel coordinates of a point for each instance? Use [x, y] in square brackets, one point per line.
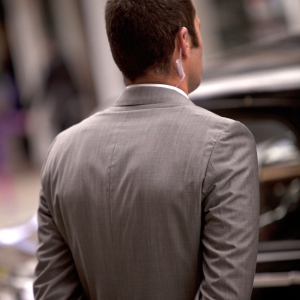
[125, 195]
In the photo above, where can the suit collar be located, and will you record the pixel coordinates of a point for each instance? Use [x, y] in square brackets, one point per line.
[151, 94]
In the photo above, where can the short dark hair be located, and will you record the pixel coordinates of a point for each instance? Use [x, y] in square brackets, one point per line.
[142, 33]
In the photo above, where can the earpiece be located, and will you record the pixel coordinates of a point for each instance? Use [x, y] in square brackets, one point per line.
[179, 65]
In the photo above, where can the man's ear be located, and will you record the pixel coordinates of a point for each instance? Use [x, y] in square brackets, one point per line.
[184, 41]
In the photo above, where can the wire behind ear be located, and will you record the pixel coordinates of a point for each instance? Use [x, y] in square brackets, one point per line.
[179, 65]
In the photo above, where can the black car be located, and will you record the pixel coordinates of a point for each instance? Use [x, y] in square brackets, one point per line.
[259, 85]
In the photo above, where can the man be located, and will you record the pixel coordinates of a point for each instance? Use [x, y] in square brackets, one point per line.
[153, 198]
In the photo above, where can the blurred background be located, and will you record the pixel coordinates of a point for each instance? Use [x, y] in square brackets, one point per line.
[56, 69]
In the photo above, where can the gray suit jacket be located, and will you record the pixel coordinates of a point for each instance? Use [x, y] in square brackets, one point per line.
[153, 198]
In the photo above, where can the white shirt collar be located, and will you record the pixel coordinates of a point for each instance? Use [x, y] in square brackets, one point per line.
[166, 86]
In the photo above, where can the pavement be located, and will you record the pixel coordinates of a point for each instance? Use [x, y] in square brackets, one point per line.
[19, 196]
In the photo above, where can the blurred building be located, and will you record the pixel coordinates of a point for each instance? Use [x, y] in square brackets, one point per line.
[233, 23]
[47, 43]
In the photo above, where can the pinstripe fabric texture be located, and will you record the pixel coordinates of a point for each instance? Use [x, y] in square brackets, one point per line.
[153, 198]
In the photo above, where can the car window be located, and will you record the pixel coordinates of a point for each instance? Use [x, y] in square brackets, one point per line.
[279, 162]
[276, 142]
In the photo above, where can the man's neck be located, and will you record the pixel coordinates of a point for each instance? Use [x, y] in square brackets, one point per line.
[158, 85]
[159, 79]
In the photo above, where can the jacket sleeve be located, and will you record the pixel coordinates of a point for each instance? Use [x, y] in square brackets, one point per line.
[56, 276]
[230, 216]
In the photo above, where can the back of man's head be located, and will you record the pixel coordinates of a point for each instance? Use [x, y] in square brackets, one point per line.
[142, 33]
